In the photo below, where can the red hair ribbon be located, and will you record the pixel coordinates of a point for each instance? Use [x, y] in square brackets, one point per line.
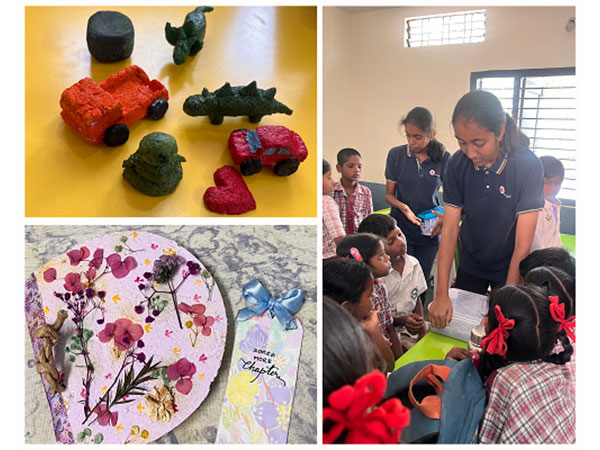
[355, 254]
[353, 409]
[557, 310]
[495, 342]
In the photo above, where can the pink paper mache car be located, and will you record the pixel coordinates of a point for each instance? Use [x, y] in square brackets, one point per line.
[269, 145]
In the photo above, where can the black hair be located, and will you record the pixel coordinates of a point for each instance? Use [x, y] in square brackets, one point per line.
[485, 109]
[344, 280]
[534, 333]
[365, 243]
[326, 167]
[378, 224]
[348, 352]
[422, 119]
[345, 154]
[552, 167]
[550, 256]
[557, 283]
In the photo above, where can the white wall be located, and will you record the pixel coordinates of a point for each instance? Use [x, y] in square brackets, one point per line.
[370, 80]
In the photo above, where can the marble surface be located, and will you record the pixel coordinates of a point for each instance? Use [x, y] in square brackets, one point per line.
[281, 257]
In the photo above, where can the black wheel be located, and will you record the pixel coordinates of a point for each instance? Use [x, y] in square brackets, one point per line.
[251, 166]
[286, 167]
[116, 135]
[158, 109]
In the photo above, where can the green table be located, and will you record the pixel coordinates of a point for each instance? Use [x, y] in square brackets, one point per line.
[431, 346]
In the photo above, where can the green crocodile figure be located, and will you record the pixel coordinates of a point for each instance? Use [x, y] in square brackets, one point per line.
[155, 167]
[235, 101]
[189, 38]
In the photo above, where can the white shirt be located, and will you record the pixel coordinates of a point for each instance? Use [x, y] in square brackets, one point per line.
[404, 288]
[547, 230]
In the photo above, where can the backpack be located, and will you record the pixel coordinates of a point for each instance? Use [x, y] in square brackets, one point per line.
[446, 398]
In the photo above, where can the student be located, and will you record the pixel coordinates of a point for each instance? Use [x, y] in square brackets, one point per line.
[368, 248]
[333, 229]
[530, 390]
[547, 231]
[351, 374]
[494, 184]
[552, 257]
[405, 282]
[414, 174]
[354, 200]
[350, 283]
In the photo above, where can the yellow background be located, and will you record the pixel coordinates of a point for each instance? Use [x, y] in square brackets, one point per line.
[66, 176]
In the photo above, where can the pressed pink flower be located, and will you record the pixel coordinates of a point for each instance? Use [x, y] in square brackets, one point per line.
[182, 371]
[50, 275]
[96, 261]
[105, 416]
[205, 322]
[120, 269]
[91, 274]
[75, 256]
[124, 332]
[73, 282]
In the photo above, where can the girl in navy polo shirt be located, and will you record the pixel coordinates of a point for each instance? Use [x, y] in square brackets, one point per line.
[414, 175]
[496, 184]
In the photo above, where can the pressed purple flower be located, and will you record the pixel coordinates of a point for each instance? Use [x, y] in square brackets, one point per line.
[149, 319]
[67, 296]
[140, 344]
[141, 286]
[193, 267]
[141, 357]
[100, 321]
[89, 292]
[101, 294]
[155, 312]
[139, 309]
[148, 275]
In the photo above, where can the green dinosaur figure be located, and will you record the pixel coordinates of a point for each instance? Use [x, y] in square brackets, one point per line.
[189, 38]
[155, 167]
[235, 101]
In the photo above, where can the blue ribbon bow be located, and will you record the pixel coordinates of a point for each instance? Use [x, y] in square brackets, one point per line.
[282, 308]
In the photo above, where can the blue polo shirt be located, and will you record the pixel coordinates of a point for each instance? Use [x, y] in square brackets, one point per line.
[491, 201]
[417, 185]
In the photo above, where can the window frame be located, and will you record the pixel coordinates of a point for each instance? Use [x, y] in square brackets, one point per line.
[464, 13]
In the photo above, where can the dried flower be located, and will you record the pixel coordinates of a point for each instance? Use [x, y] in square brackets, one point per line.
[160, 405]
[105, 416]
[182, 371]
[120, 269]
[50, 275]
[97, 258]
[165, 267]
[75, 256]
[73, 283]
[124, 332]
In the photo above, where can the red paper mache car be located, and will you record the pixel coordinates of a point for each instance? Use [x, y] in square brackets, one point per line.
[268, 145]
[104, 111]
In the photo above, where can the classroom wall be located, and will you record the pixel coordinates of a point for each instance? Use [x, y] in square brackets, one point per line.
[370, 80]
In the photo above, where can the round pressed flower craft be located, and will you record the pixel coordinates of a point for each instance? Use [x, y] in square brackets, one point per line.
[143, 339]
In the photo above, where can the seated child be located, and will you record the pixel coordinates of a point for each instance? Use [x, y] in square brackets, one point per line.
[354, 200]
[333, 229]
[547, 231]
[368, 248]
[350, 283]
[405, 282]
[352, 377]
[530, 390]
[550, 257]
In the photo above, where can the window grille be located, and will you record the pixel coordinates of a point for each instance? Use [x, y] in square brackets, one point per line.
[445, 29]
[543, 103]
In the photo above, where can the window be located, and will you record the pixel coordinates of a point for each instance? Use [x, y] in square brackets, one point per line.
[445, 29]
[542, 102]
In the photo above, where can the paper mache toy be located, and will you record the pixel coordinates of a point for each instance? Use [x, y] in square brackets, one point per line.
[109, 36]
[104, 111]
[235, 101]
[155, 167]
[189, 38]
[269, 145]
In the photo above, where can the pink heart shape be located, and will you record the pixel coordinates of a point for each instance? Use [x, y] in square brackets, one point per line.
[231, 194]
[120, 269]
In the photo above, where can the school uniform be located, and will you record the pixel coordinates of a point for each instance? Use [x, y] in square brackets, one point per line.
[332, 226]
[547, 230]
[353, 208]
[530, 403]
[404, 288]
[417, 185]
[491, 200]
[384, 316]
